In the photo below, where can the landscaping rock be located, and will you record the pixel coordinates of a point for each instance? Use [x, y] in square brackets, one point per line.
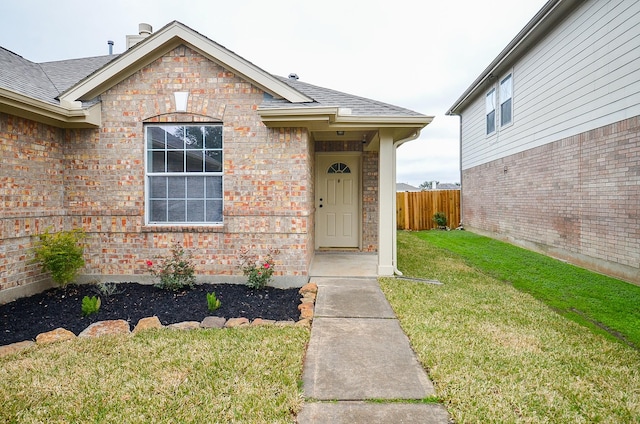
[213, 322]
[236, 322]
[147, 323]
[104, 328]
[308, 288]
[306, 305]
[259, 321]
[285, 323]
[306, 313]
[15, 347]
[185, 325]
[53, 336]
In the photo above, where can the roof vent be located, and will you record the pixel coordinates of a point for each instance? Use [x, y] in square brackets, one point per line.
[110, 43]
[294, 76]
[145, 30]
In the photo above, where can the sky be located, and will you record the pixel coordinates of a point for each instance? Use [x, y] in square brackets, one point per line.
[418, 54]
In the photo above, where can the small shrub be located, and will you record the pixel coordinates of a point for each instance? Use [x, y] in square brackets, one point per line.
[258, 271]
[213, 302]
[60, 254]
[176, 272]
[107, 289]
[440, 219]
[90, 305]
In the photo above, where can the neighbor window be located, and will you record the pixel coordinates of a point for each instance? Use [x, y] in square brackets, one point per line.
[506, 103]
[184, 174]
[490, 104]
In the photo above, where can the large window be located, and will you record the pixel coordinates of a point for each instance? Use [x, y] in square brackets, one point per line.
[506, 104]
[184, 174]
[490, 107]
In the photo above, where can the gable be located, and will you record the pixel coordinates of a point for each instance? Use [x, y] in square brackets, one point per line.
[165, 40]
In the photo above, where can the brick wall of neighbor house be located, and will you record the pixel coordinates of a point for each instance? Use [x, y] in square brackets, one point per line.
[577, 199]
[369, 188]
[31, 193]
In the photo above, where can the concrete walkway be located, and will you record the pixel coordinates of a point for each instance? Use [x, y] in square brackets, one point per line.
[358, 353]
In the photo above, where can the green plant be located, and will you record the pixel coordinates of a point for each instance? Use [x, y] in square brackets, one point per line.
[60, 254]
[440, 219]
[175, 272]
[90, 305]
[106, 289]
[257, 270]
[213, 302]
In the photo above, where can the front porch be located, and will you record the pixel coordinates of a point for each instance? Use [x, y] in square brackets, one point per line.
[344, 264]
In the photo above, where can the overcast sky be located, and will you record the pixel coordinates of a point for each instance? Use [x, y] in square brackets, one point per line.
[418, 54]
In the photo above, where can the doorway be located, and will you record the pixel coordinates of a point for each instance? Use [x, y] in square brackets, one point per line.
[338, 200]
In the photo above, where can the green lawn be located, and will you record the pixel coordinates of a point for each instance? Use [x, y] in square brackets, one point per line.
[496, 353]
[245, 375]
[597, 301]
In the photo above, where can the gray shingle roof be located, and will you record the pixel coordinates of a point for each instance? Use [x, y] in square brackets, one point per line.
[360, 106]
[25, 77]
[65, 73]
[46, 81]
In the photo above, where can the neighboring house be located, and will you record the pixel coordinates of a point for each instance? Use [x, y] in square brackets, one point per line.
[179, 139]
[550, 137]
[406, 187]
[447, 186]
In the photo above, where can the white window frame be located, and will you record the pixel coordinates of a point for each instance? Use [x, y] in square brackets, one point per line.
[490, 100]
[211, 195]
[506, 94]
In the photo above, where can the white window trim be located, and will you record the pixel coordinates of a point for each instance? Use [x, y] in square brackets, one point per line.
[495, 112]
[147, 189]
[500, 100]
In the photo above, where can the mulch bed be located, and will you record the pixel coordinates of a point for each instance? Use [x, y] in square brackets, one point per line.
[24, 319]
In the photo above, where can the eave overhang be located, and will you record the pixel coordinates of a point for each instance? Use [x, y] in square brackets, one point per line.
[165, 40]
[70, 115]
[341, 119]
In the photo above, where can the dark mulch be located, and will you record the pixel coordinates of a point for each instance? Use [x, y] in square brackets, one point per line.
[25, 318]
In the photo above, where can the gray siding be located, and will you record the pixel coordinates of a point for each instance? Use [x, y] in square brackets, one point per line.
[583, 75]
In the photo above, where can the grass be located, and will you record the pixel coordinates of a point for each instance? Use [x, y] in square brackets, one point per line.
[497, 354]
[601, 303]
[231, 376]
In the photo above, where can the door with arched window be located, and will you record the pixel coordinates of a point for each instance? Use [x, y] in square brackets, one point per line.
[338, 201]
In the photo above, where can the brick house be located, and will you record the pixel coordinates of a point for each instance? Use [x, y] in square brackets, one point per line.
[179, 139]
[550, 137]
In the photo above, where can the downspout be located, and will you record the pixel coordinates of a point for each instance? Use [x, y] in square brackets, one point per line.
[397, 144]
[461, 201]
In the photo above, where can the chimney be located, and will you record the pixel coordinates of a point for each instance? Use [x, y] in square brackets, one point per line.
[144, 30]
[110, 43]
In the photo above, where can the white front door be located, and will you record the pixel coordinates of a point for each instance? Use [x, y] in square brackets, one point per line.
[337, 200]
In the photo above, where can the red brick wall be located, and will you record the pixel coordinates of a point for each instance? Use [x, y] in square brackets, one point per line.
[94, 179]
[577, 198]
[31, 194]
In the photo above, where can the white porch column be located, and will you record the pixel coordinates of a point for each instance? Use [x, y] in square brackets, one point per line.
[386, 196]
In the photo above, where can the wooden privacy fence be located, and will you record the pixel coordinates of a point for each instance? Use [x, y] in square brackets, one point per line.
[415, 209]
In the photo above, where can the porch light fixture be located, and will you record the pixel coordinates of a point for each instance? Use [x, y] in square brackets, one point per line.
[181, 100]
[340, 132]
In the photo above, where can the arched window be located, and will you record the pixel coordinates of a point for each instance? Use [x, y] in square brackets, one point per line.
[339, 168]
